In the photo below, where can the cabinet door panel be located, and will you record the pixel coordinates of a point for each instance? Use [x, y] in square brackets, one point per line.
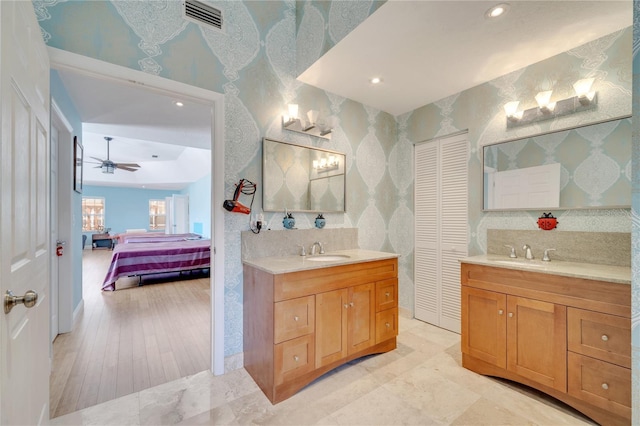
[386, 294]
[484, 330]
[362, 317]
[293, 358]
[331, 326]
[293, 318]
[386, 325]
[537, 341]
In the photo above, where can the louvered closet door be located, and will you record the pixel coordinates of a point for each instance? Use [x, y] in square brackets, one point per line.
[441, 203]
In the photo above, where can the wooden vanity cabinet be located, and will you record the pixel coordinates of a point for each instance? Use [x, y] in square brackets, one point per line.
[568, 337]
[299, 325]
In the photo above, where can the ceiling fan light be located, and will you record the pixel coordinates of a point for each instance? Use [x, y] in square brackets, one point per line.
[108, 168]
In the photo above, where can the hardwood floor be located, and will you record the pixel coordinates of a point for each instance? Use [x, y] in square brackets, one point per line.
[130, 339]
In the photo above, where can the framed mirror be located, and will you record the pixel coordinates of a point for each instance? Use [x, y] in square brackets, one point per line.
[580, 168]
[302, 179]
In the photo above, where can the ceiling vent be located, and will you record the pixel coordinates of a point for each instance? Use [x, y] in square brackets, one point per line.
[202, 13]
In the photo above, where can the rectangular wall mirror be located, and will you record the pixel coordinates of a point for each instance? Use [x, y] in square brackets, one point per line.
[581, 168]
[302, 179]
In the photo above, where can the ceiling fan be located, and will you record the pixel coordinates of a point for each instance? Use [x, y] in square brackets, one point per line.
[109, 166]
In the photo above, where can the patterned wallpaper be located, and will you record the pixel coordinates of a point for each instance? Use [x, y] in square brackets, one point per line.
[635, 219]
[595, 162]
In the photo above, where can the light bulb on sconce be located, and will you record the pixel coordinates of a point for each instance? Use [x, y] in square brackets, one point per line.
[292, 117]
[543, 99]
[511, 109]
[313, 117]
[582, 88]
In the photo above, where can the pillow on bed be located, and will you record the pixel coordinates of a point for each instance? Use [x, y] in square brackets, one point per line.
[135, 231]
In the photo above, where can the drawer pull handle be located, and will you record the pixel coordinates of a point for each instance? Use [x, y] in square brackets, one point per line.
[296, 358]
[605, 386]
[510, 314]
[387, 294]
[351, 304]
[604, 337]
[500, 312]
[296, 318]
[387, 324]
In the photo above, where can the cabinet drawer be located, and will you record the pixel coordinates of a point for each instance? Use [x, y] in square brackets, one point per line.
[293, 318]
[386, 325]
[600, 383]
[294, 358]
[601, 336]
[386, 294]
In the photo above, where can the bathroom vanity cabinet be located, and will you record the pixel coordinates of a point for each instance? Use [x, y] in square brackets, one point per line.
[300, 325]
[566, 336]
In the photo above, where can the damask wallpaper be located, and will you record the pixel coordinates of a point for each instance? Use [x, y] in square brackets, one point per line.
[254, 64]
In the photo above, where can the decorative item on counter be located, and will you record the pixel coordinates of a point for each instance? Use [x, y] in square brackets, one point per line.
[547, 222]
[288, 221]
[320, 221]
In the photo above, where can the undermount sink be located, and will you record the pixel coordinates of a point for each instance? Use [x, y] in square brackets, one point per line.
[328, 257]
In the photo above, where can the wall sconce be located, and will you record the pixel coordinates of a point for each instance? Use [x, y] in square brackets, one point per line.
[584, 100]
[326, 164]
[312, 124]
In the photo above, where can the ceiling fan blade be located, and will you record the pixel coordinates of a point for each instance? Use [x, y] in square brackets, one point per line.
[128, 164]
[129, 169]
[93, 162]
[96, 158]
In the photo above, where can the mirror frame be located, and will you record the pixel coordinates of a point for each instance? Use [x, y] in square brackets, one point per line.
[594, 123]
[312, 148]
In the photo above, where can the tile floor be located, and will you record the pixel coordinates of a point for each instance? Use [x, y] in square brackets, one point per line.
[421, 383]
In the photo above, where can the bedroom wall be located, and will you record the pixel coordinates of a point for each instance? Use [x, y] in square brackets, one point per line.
[59, 94]
[125, 208]
[200, 206]
[255, 68]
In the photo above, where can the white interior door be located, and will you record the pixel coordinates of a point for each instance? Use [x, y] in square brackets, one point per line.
[529, 187]
[180, 214]
[54, 233]
[24, 215]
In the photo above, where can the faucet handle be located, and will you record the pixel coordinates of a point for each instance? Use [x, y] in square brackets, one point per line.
[545, 256]
[302, 250]
[513, 251]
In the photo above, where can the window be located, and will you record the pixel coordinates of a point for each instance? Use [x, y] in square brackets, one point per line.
[92, 214]
[157, 214]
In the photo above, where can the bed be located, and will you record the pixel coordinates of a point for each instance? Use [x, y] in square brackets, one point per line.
[137, 259]
[153, 237]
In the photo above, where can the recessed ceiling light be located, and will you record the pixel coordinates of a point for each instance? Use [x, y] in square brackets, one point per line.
[497, 10]
[178, 104]
[376, 80]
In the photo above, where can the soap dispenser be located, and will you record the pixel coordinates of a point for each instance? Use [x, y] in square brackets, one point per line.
[320, 222]
[288, 221]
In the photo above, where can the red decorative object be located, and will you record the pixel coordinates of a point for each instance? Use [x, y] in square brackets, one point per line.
[547, 222]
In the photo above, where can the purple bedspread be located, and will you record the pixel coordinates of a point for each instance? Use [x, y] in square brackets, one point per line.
[153, 258]
[155, 237]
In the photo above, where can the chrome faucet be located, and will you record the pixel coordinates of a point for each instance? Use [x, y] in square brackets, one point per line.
[313, 248]
[527, 252]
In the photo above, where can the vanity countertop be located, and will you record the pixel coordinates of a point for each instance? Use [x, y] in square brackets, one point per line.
[285, 264]
[589, 271]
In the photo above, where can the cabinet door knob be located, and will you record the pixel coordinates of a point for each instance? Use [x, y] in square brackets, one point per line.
[387, 294]
[604, 337]
[351, 304]
[510, 314]
[346, 305]
[296, 358]
[500, 312]
[605, 386]
[387, 324]
[296, 318]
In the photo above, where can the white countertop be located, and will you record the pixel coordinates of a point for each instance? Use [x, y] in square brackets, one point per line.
[589, 271]
[285, 264]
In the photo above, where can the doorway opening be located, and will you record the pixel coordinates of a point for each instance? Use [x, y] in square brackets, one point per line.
[68, 62]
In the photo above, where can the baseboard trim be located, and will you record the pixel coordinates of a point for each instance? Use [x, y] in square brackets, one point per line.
[78, 310]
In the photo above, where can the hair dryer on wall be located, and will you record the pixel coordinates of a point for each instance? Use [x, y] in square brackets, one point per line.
[243, 187]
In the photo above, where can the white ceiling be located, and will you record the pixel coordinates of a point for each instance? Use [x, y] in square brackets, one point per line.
[424, 51]
[428, 50]
[142, 123]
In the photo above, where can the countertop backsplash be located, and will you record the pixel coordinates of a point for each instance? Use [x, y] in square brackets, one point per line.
[604, 248]
[287, 242]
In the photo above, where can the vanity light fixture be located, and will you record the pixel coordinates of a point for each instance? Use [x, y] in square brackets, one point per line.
[309, 124]
[585, 99]
[326, 164]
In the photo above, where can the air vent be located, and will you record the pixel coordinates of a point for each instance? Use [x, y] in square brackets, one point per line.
[203, 14]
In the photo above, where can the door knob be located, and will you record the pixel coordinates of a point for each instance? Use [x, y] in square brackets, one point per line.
[29, 300]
